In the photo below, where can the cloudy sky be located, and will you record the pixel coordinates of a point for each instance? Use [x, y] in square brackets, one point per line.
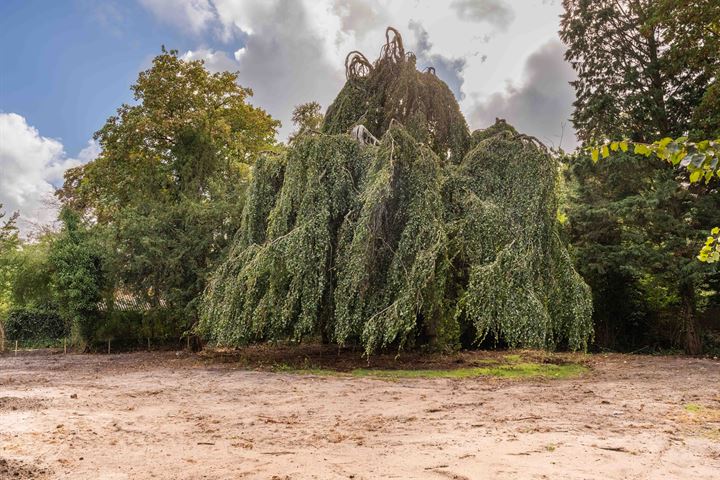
[67, 65]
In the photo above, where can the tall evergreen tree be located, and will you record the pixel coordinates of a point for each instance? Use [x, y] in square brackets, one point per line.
[642, 74]
[643, 66]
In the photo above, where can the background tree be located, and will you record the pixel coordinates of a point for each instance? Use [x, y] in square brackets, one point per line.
[693, 29]
[8, 244]
[167, 188]
[77, 265]
[641, 77]
[643, 66]
[306, 117]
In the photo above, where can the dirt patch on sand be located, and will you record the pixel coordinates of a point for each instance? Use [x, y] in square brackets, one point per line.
[14, 470]
[233, 415]
[19, 403]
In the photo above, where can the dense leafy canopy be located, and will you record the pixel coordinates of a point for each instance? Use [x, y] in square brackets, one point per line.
[392, 90]
[166, 191]
[647, 70]
[433, 236]
[77, 262]
[386, 223]
[8, 243]
[701, 159]
[307, 118]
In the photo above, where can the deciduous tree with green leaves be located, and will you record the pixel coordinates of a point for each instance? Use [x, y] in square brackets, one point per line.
[8, 244]
[307, 117]
[167, 187]
[77, 265]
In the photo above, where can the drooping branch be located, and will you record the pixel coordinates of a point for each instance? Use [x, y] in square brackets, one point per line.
[363, 135]
[357, 65]
[393, 48]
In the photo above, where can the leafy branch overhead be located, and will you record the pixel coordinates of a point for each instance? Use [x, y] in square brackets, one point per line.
[710, 252]
[701, 159]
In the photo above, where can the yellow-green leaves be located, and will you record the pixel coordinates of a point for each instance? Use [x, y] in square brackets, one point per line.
[642, 149]
[710, 253]
[605, 151]
[701, 159]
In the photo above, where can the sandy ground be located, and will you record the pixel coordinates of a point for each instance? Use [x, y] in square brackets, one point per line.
[164, 416]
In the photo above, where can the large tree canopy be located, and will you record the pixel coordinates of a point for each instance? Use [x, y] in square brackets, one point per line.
[167, 188]
[428, 235]
[647, 70]
[643, 66]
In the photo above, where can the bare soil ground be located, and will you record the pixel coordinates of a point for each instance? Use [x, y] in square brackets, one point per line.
[227, 416]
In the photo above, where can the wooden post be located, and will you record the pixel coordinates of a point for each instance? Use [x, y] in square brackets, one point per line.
[16, 342]
[148, 344]
[108, 346]
[65, 345]
[188, 342]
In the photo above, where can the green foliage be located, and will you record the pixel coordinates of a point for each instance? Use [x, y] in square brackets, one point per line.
[701, 159]
[509, 225]
[167, 190]
[710, 252]
[26, 324]
[78, 275]
[278, 287]
[643, 67]
[692, 29]
[8, 244]
[393, 245]
[392, 89]
[134, 327]
[393, 256]
[32, 282]
[307, 118]
[646, 69]
[635, 232]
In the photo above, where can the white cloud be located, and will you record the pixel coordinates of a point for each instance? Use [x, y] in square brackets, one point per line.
[31, 167]
[450, 70]
[90, 152]
[541, 104]
[493, 12]
[293, 51]
[215, 60]
[285, 59]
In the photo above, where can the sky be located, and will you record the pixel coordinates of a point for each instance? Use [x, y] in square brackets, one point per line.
[65, 66]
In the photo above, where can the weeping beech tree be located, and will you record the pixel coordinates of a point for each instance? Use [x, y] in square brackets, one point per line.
[411, 231]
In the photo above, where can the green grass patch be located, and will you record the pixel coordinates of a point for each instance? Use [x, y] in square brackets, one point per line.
[323, 372]
[515, 370]
[693, 407]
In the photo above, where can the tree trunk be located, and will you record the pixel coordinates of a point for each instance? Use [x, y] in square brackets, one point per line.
[691, 341]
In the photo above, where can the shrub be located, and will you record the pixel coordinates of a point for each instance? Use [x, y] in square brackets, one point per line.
[25, 324]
